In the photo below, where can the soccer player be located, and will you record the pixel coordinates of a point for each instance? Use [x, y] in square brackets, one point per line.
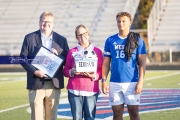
[125, 52]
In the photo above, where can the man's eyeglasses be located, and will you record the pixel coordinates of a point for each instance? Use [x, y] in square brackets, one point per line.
[83, 34]
[47, 22]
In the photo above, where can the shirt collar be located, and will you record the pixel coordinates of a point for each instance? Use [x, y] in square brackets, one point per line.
[46, 38]
[90, 47]
[122, 37]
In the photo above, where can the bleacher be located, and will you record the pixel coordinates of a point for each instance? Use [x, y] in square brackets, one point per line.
[164, 27]
[20, 17]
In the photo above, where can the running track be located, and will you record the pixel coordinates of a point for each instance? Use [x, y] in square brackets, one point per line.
[152, 100]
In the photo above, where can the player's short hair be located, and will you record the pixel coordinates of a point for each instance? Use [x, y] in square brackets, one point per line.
[46, 14]
[121, 14]
[79, 26]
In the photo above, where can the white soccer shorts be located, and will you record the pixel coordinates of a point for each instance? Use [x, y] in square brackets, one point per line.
[123, 93]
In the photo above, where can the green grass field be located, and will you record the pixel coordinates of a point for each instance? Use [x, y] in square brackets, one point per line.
[13, 93]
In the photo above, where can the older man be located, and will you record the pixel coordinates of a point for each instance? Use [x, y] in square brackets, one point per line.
[44, 94]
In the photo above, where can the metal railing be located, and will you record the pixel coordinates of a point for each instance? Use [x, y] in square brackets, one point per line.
[154, 18]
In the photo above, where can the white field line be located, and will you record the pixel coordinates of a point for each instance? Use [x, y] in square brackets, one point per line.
[24, 73]
[23, 78]
[16, 107]
[14, 78]
[162, 76]
[11, 81]
[13, 73]
[20, 106]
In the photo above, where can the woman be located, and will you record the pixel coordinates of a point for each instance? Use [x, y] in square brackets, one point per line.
[83, 87]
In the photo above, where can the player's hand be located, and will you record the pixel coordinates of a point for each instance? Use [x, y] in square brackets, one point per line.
[54, 51]
[40, 74]
[105, 88]
[138, 88]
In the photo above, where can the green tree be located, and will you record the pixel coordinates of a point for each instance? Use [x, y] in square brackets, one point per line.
[142, 14]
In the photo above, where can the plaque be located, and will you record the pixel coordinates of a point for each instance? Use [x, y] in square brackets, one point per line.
[47, 62]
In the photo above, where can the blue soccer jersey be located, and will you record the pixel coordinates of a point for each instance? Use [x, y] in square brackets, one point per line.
[123, 70]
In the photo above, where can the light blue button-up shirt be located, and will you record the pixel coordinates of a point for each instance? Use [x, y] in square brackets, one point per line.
[47, 42]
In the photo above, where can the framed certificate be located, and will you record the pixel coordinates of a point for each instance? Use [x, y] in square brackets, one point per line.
[47, 62]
